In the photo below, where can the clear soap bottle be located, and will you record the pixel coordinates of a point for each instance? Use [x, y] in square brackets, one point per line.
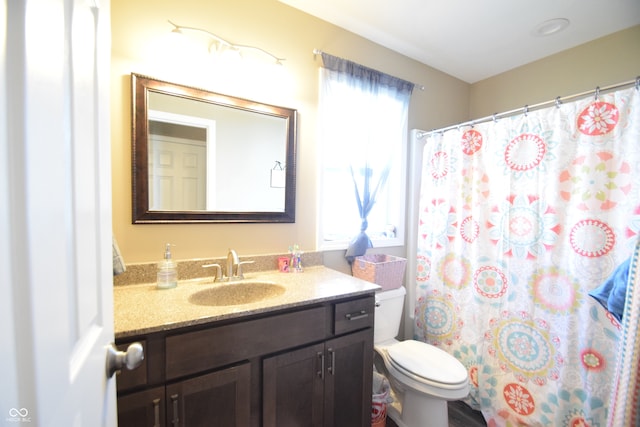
[167, 271]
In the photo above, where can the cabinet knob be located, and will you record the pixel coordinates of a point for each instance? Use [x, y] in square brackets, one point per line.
[130, 359]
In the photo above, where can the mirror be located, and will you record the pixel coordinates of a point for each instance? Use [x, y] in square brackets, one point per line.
[200, 156]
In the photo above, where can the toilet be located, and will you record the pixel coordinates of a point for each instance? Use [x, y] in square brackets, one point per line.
[422, 377]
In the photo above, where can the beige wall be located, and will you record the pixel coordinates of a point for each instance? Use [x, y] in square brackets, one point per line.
[139, 32]
[603, 62]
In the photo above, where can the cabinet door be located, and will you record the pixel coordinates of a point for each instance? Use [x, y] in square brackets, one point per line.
[348, 380]
[221, 398]
[293, 388]
[142, 409]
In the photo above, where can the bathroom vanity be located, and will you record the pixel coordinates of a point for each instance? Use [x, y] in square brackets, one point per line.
[301, 357]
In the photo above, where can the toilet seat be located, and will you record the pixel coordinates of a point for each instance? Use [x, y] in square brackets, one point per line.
[441, 369]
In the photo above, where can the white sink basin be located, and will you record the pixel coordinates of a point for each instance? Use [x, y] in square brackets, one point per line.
[236, 293]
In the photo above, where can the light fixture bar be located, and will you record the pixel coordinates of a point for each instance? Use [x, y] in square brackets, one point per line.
[179, 28]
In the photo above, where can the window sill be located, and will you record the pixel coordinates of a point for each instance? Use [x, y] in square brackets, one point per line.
[343, 244]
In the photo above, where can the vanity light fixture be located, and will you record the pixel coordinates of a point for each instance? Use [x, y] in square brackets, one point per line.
[219, 43]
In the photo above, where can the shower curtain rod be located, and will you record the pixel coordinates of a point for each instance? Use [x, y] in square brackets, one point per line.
[320, 52]
[524, 110]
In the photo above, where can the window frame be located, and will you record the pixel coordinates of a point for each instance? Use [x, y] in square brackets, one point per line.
[400, 186]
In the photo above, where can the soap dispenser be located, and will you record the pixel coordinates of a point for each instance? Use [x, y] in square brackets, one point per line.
[167, 271]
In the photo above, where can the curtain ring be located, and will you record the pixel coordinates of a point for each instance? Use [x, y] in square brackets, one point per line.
[638, 83]
[597, 92]
[495, 117]
[558, 102]
[526, 110]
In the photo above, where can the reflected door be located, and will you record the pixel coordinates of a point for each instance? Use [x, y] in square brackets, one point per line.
[178, 171]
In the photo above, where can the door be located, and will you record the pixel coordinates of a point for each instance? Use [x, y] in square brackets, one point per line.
[55, 213]
[293, 388]
[144, 408]
[220, 398]
[348, 381]
[182, 158]
[177, 174]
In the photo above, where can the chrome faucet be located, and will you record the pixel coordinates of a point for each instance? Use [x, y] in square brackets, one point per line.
[234, 268]
[232, 264]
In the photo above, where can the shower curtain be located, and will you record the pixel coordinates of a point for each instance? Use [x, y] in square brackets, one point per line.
[519, 218]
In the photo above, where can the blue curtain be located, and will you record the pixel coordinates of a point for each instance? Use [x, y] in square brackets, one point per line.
[369, 169]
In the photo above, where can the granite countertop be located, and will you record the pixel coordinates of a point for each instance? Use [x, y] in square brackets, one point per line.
[142, 309]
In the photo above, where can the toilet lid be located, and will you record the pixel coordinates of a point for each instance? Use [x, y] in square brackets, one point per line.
[428, 362]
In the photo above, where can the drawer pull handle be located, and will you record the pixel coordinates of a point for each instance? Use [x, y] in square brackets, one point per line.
[332, 367]
[176, 419]
[321, 371]
[357, 316]
[156, 412]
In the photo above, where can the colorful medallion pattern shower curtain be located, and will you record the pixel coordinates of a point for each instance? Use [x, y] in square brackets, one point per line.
[519, 219]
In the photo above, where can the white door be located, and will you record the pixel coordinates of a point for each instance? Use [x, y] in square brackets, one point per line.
[55, 214]
[177, 174]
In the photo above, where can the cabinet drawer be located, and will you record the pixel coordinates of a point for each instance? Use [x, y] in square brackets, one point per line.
[197, 351]
[353, 315]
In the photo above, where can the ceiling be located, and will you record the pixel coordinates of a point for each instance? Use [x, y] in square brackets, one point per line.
[471, 39]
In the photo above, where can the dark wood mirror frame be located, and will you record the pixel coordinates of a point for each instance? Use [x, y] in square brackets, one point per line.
[142, 214]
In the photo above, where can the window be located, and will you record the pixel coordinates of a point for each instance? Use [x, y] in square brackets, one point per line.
[363, 133]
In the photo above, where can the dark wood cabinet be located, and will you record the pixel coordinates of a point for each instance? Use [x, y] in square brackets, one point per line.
[326, 384]
[293, 390]
[144, 408]
[220, 398]
[348, 385]
[311, 366]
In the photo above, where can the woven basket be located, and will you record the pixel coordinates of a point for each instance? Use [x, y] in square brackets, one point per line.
[379, 423]
[379, 410]
[387, 271]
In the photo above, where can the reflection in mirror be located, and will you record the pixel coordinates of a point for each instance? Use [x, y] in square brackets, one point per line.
[202, 156]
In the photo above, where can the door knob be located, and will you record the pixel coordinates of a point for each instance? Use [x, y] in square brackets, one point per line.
[130, 359]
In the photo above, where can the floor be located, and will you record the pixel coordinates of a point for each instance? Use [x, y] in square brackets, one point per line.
[460, 415]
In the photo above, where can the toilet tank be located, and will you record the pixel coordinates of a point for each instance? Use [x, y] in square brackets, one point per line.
[389, 306]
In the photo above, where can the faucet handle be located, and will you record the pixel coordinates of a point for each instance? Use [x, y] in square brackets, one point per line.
[239, 268]
[218, 275]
